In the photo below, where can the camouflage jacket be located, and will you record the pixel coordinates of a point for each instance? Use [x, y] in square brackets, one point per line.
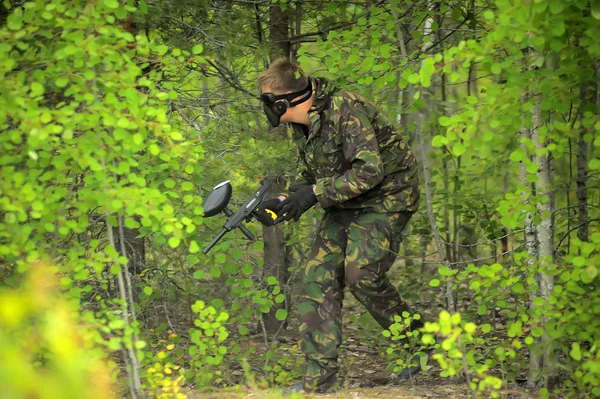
[354, 156]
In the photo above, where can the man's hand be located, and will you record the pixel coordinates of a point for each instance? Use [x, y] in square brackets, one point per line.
[267, 218]
[296, 204]
[297, 186]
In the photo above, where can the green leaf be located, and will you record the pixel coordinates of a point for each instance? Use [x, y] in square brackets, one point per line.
[588, 274]
[426, 72]
[596, 9]
[558, 28]
[161, 49]
[194, 247]
[575, 351]
[272, 280]
[518, 288]
[176, 136]
[112, 4]
[36, 89]
[439, 141]
[434, 283]
[215, 272]
[61, 82]
[148, 290]
[281, 314]
[444, 121]
[154, 149]
[481, 309]
[143, 7]
[458, 149]
[518, 155]
[174, 242]
[247, 268]
[116, 324]
[198, 48]
[199, 274]
[470, 327]
[413, 78]
[140, 344]
[15, 19]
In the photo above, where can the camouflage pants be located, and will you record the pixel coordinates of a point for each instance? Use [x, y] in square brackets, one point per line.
[354, 249]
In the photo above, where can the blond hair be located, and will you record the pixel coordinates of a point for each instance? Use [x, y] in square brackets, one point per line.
[283, 75]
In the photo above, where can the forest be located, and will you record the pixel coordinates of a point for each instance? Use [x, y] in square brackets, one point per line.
[118, 117]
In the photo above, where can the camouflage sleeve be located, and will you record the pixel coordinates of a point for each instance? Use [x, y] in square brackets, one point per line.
[361, 150]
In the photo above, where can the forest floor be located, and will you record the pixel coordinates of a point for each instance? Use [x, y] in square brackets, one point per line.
[364, 369]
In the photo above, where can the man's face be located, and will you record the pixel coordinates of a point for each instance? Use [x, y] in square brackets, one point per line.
[297, 114]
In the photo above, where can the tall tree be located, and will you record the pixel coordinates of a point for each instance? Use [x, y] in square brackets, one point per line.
[275, 259]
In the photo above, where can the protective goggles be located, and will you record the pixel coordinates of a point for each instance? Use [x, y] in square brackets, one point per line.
[276, 105]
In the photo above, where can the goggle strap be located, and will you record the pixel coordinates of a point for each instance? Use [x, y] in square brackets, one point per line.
[306, 90]
[288, 97]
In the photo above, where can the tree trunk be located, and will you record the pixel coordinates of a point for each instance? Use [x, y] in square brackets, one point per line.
[298, 29]
[278, 28]
[274, 259]
[274, 249]
[450, 250]
[545, 234]
[532, 250]
[582, 171]
[425, 164]
[132, 363]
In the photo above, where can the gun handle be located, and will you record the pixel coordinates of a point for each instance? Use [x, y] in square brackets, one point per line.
[214, 241]
[246, 232]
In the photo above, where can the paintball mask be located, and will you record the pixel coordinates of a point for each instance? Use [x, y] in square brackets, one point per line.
[276, 105]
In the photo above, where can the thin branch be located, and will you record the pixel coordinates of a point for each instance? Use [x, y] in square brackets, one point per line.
[568, 233]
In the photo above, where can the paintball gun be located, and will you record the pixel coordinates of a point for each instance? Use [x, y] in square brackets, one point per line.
[217, 201]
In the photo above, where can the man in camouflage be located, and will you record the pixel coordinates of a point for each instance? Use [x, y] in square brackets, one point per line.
[363, 174]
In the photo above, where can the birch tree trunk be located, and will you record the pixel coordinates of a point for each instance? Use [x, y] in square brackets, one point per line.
[532, 250]
[426, 166]
[132, 364]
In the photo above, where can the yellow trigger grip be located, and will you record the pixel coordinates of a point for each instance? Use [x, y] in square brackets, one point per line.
[270, 212]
